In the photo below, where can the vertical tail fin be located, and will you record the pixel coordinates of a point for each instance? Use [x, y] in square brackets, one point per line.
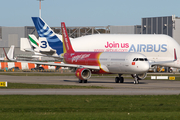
[45, 31]
[34, 41]
[25, 45]
[10, 53]
[66, 42]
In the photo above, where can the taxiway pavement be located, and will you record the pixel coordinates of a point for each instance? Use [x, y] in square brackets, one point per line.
[145, 87]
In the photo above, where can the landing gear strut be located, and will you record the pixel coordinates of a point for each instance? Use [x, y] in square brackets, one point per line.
[136, 80]
[119, 79]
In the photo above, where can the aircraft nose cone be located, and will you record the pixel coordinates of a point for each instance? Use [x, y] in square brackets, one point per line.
[146, 66]
[143, 67]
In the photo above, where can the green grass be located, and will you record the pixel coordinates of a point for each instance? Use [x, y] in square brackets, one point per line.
[89, 107]
[42, 86]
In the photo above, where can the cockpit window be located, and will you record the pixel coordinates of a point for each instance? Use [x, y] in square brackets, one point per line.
[135, 59]
[145, 59]
[140, 59]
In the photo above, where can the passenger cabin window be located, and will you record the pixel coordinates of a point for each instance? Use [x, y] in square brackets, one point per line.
[103, 59]
[118, 59]
[92, 59]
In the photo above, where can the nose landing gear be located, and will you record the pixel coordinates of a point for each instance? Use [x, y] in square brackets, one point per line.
[136, 79]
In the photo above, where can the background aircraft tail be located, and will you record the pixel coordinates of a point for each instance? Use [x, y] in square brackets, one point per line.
[34, 41]
[45, 31]
[39, 45]
[26, 45]
[10, 53]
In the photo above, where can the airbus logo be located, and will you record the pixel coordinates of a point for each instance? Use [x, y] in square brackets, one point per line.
[148, 48]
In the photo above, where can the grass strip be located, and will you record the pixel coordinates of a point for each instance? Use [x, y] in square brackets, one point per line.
[82, 107]
[43, 86]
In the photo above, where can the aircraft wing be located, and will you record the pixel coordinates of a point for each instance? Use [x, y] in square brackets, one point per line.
[56, 64]
[163, 62]
[64, 65]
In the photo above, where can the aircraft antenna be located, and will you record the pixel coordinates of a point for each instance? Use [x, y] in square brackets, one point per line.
[40, 7]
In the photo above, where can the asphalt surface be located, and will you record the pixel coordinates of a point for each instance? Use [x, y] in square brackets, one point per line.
[145, 87]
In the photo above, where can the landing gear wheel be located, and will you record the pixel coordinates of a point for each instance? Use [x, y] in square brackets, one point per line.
[170, 70]
[121, 80]
[80, 81]
[85, 81]
[117, 80]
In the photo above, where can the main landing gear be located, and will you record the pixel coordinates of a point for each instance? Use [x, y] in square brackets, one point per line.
[82, 81]
[119, 79]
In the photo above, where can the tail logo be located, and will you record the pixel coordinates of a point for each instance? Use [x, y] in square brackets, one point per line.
[65, 39]
[45, 31]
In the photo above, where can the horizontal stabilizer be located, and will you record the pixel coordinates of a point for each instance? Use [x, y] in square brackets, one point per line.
[24, 44]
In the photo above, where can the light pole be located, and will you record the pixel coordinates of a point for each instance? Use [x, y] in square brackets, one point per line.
[40, 7]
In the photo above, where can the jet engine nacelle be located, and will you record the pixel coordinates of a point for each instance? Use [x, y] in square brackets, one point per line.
[83, 73]
[142, 76]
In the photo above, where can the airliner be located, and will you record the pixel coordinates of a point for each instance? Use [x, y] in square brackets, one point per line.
[155, 47]
[87, 63]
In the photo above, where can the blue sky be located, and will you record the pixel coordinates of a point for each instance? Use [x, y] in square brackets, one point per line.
[85, 12]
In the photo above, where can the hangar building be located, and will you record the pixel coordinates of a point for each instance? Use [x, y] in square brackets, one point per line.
[169, 25]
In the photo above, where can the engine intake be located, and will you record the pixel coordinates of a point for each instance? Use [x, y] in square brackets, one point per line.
[83, 73]
[142, 76]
